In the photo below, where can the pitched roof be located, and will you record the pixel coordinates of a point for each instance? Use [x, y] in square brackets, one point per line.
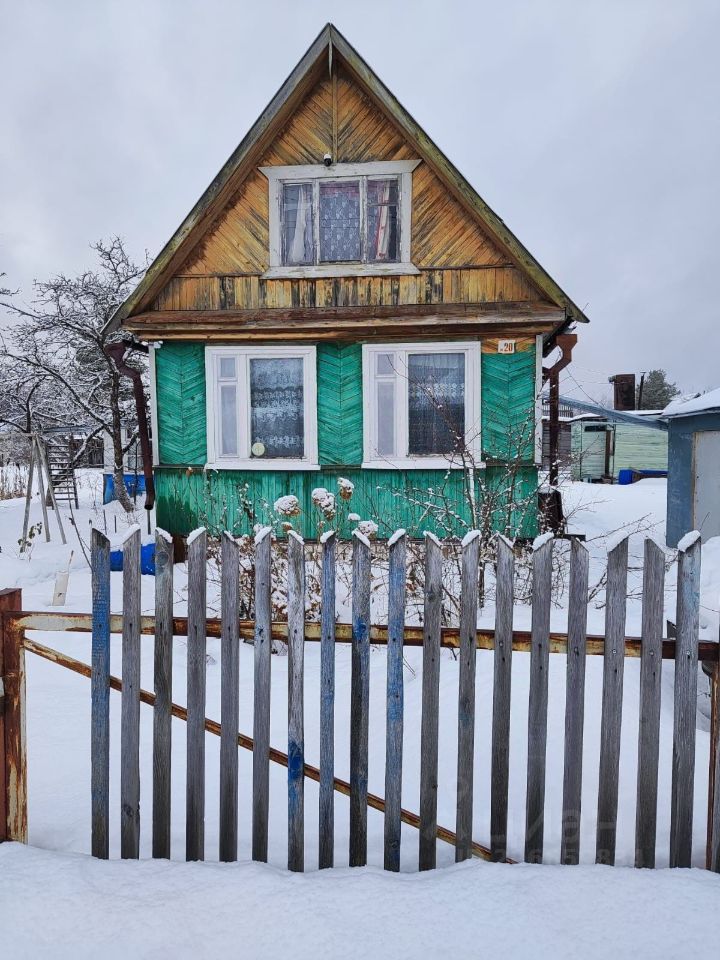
[329, 44]
[702, 403]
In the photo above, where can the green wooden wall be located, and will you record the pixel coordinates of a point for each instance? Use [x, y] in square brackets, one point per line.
[235, 500]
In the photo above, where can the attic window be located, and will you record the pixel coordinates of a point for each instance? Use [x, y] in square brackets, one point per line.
[341, 220]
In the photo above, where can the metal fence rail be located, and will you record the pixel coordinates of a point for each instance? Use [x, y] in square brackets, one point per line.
[539, 642]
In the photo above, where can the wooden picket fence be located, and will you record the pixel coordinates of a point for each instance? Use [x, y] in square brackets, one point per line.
[685, 649]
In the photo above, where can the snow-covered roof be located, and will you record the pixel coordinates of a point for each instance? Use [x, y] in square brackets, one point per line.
[698, 404]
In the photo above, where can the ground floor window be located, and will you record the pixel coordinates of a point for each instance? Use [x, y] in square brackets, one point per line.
[422, 404]
[262, 407]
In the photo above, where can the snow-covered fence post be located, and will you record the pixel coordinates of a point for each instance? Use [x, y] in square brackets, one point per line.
[261, 703]
[162, 710]
[130, 707]
[686, 661]
[326, 800]
[359, 699]
[296, 726]
[502, 676]
[229, 698]
[196, 677]
[13, 766]
[429, 721]
[395, 700]
[100, 697]
[713, 842]
[466, 694]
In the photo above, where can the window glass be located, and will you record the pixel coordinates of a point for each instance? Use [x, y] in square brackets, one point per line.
[297, 223]
[227, 368]
[385, 364]
[276, 407]
[385, 418]
[382, 221]
[436, 403]
[228, 419]
[339, 221]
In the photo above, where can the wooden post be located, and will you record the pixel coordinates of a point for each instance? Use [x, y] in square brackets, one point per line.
[429, 721]
[685, 697]
[296, 720]
[13, 764]
[359, 700]
[100, 697]
[162, 715]
[326, 800]
[261, 703]
[395, 701]
[502, 677]
[229, 699]
[130, 706]
[466, 695]
[196, 674]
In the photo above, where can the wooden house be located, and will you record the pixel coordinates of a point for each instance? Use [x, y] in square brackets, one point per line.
[341, 305]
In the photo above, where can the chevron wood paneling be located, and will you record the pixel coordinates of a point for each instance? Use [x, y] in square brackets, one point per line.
[340, 412]
[508, 404]
[180, 380]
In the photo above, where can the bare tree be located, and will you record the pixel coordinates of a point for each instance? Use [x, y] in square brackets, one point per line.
[60, 338]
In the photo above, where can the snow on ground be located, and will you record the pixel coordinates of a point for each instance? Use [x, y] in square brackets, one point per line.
[70, 906]
[58, 719]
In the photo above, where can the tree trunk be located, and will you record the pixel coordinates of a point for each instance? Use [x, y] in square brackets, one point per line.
[121, 494]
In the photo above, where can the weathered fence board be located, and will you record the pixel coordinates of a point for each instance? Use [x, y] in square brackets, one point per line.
[466, 694]
[359, 700]
[261, 706]
[162, 710]
[574, 702]
[713, 842]
[229, 698]
[500, 747]
[196, 675]
[326, 799]
[685, 720]
[538, 703]
[296, 732]
[650, 699]
[432, 617]
[395, 701]
[613, 669]
[100, 696]
[130, 708]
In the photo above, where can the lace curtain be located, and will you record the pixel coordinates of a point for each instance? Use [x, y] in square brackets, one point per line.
[277, 407]
[436, 403]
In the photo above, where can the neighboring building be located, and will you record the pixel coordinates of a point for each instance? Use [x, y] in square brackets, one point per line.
[693, 501]
[602, 447]
[342, 304]
[565, 417]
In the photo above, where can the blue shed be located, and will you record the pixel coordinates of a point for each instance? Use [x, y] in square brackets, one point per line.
[693, 497]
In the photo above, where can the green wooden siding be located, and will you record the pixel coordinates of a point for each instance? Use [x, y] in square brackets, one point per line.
[180, 384]
[508, 405]
[236, 500]
[339, 403]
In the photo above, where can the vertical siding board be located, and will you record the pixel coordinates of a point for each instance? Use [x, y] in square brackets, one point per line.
[359, 701]
[196, 672]
[650, 699]
[575, 702]
[261, 705]
[538, 703]
[100, 696]
[162, 716]
[296, 735]
[430, 703]
[229, 698]
[395, 701]
[502, 660]
[685, 694]
[180, 385]
[326, 800]
[130, 708]
[611, 720]
[466, 695]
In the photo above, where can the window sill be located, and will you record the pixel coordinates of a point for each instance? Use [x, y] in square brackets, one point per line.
[419, 463]
[258, 464]
[340, 270]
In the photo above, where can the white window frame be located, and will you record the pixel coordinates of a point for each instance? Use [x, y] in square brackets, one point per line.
[277, 176]
[243, 355]
[473, 433]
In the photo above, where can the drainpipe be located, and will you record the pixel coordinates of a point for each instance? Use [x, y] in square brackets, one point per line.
[118, 351]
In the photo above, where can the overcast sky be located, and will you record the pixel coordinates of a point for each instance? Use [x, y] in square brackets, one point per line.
[592, 129]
